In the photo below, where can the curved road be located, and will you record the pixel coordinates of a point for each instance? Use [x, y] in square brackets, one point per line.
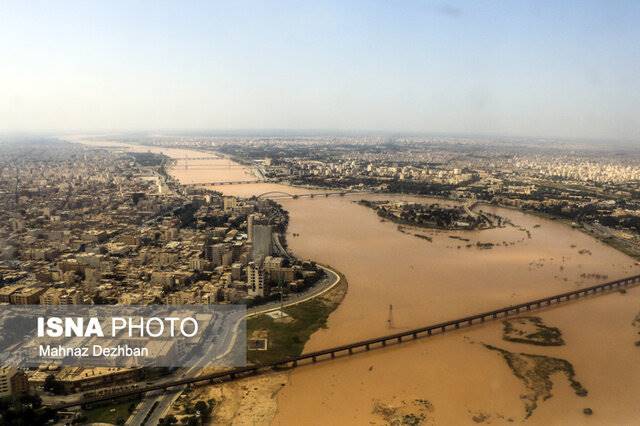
[160, 401]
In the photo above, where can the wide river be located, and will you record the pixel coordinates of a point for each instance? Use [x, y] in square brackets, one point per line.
[430, 281]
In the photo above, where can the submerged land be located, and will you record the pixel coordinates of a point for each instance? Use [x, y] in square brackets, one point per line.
[434, 216]
[534, 369]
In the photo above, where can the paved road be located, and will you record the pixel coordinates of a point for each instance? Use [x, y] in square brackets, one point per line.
[220, 348]
[165, 399]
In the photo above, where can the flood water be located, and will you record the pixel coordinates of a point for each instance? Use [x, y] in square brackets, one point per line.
[398, 281]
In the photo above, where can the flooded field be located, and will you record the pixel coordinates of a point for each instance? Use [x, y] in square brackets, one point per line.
[398, 281]
[427, 282]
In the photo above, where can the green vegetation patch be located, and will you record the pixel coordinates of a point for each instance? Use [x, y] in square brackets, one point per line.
[148, 158]
[287, 338]
[115, 414]
[532, 331]
[535, 373]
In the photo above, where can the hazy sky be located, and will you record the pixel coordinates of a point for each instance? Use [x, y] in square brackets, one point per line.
[537, 68]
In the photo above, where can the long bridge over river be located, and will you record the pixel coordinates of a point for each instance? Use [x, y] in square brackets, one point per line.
[370, 344]
[277, 194]
[225, 182]
[282, 194]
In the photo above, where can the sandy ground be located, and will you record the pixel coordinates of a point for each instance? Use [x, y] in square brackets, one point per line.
[250, 401]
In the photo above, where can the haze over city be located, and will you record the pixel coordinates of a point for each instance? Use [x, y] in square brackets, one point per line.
[407, 213]
[525, 68]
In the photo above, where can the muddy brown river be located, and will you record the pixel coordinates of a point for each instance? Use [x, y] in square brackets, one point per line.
[398, 281]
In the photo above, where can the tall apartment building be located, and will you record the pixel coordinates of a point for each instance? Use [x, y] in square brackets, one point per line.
[255, 280]
[250, 222]
[262, 245]
[13, 382]
[6, 373]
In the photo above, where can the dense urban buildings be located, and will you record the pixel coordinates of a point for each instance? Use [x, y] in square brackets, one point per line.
[86, 226]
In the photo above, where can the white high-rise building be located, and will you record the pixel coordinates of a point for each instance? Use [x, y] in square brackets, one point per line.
[255, 280]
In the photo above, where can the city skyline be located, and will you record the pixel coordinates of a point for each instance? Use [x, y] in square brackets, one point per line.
[516, 69]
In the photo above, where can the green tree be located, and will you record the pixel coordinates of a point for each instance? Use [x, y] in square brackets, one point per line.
[51, 384]
[168, 420]
[203, 408]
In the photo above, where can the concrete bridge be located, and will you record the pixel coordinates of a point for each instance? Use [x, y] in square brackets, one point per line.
[232, 182]
[370, 344]
[282, 194]
[197, 158]
[189, 166]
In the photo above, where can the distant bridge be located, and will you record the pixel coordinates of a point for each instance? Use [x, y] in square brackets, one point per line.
[369, 344]
[231, 182]
[208, 166]
[197, 158]
[185, 162]
[282, 194]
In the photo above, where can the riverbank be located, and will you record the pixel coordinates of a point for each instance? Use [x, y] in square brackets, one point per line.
[285, 333]
[610, 240]
[427, 282]
[253, 400]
